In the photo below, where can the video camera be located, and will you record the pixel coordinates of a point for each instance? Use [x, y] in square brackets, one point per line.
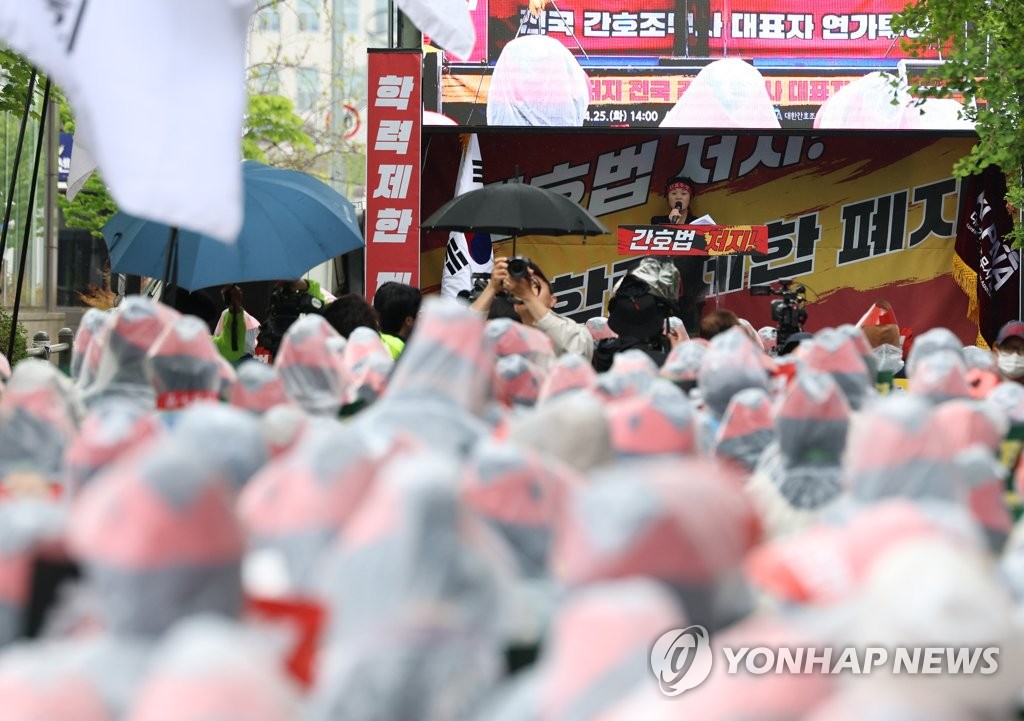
[284, 308]
[787, 310]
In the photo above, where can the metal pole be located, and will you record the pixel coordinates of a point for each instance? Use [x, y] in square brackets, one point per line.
[12, 188]
[26, 236]
[51, 222]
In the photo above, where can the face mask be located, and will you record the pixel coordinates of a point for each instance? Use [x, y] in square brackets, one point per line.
[1011, 364]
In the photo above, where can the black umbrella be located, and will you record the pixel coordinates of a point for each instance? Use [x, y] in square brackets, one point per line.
[514, 209]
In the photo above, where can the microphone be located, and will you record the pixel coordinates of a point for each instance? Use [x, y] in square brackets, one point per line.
[679, 206]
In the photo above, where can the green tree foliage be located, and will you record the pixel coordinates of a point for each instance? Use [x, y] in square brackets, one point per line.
[983, 49]
[20, 337]
[14, 77]
[271, 126]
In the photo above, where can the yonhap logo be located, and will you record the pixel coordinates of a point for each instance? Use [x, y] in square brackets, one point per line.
[681, 659]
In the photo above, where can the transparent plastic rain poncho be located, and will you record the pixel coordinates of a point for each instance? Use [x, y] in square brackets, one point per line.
[731, 363]
[1008, 396]
[896, 449]
[940, 376]
[981, 358]
[935, 592]
[863, 346]
[571, 428]
[89, 330]
[827, 562]
[570, 371]
[159, 540]
[537, 82]
[656, 422]
[412, 554]
[837, 354]
[429, 671]
[313, 376]
[106, 435]
[39, 417]
[89, 679]
[727, 93]
[747, 428]
[509, 337]
[599, 329]
[231, 440]
[781, 694]
[632, 373]
[798, 475]
[520, 494]
[299, 502]
[517, 381]
[586, 675]
[258, 388]
[931, 341]
[183, 365]
[368, 364]
[685, 522]
[211, 668]
[26, 525]
[122, 347]
[443, 383]
[682, 366]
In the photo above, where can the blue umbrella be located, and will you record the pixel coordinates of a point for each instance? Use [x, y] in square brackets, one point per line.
[292, 223]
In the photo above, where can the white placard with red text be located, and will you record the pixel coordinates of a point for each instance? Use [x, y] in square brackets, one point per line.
[392, 168]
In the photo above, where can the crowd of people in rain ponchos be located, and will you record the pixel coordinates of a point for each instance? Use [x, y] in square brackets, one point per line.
[481, 530]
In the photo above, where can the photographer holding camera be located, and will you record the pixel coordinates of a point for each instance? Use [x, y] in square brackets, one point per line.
[522, 280]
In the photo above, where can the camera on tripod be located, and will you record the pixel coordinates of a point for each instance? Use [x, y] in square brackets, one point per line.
[787, 310]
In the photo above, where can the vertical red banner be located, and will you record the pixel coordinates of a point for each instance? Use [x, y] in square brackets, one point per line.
[394, 117]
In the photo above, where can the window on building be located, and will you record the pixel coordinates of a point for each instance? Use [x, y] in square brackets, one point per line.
[269, 19]
[309, 16]
[350, 17]
[266, 80]
[307, 88]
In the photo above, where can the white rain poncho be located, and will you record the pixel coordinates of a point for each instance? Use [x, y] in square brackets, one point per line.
[39, 417]
[159, 540]
[211, 668]
[297, 503]
[727, 93]
[798, 476]
[685, 522]
[414, 555]
[313, 375]
[130, 332]
[443, 383]
[537, 82]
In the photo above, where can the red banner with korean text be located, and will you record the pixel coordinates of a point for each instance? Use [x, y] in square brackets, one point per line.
[854, 218]
[692, 239]
[712, 28]
[394, 117]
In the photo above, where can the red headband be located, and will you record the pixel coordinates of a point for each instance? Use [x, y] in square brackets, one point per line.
[679, 184]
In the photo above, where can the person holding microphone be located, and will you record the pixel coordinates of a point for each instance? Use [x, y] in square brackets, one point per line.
[679, 192]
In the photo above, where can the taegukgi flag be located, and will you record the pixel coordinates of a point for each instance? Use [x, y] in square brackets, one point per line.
[470, 253]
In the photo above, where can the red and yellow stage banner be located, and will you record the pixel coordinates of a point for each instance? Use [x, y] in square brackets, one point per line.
[394, 117]
[854, 218]
[692, 239]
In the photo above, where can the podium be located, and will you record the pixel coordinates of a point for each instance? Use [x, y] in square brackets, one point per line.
[715, 241]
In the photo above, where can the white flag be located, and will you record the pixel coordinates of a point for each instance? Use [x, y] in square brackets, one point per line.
[475, 254]
[446, 22]
[82, 161]
[161, 86]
